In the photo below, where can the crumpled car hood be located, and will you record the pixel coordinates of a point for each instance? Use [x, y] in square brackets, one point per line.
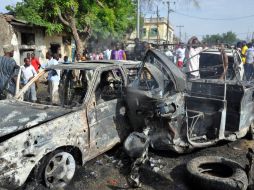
[17, 115]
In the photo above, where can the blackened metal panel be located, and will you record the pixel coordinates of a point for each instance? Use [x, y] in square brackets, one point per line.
[174, 72]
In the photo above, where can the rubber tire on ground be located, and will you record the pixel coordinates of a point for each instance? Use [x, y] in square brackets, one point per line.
[41, 166]
[236, 181]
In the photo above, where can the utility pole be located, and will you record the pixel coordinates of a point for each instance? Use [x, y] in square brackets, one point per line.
[169, 10]
[138, 19]
[157, 25]
[185, 37]
[180, 31]
[168, 19]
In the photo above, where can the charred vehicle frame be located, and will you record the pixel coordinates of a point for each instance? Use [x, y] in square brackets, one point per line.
[48, 141]
[179, 114]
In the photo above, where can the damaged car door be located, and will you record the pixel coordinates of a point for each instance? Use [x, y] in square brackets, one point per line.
[106, 109]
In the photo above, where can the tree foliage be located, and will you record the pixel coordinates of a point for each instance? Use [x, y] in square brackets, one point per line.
[228, 38]
[104, 18]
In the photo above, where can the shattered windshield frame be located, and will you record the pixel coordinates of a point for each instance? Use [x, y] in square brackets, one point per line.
[154, 69]
[72, 81]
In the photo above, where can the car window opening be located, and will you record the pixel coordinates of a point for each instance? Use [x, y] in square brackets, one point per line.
[154, 76]
[109, 87]
[68, 92]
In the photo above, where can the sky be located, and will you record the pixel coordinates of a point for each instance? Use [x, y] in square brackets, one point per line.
[209, 10]
[227, 10]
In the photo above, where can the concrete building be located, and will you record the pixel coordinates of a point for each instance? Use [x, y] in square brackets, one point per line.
[155, 30]
[28, 38]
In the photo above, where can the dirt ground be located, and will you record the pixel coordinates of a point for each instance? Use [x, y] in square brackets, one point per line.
[165, 171]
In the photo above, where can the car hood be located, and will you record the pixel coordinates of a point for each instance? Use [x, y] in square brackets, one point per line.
[17, 115]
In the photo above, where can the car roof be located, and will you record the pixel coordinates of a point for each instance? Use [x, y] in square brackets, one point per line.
[93, 65]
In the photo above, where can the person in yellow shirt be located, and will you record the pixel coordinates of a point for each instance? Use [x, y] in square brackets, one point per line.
[243, 51]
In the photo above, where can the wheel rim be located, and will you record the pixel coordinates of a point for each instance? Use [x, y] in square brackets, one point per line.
[59, 170]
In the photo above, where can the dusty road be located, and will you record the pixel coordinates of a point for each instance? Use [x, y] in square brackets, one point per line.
[166, 171]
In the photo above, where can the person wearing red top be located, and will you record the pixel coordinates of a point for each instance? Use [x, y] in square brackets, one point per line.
[35, 62]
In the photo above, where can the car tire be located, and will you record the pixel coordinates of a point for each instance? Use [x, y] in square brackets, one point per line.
[213, 172]
[56, 169]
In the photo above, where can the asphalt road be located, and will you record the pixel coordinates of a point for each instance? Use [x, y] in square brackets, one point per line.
[165, 171]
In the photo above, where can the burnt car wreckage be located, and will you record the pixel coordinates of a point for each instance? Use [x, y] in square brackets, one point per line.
[47, 141]
[165, 110]
[179, 114]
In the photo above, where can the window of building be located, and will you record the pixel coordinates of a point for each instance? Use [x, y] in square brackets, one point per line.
[143, 32]
[66, 40]
[27, 39]
[153, 32]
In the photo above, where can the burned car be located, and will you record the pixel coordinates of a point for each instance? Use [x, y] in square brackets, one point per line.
[47, 141]
[179, 114]
[211, 64]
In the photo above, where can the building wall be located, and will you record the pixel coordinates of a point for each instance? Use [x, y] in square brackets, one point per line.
[39, 45]
[151, 24]
[12, 34]
[8, 36]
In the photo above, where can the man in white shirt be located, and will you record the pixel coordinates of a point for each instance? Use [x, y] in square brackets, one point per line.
[180, 54]
[107, 54]
[53, 78]
[192, 54]
[28, 72]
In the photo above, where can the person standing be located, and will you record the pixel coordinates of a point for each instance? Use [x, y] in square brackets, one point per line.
[118, 53]
[107, 54]
[180, 54]
[9, 71]
[223, 60]
[192, 55]
[239, 46]
[53, 78]
[243, 51]
[28, 56]
[248, 66]
[35, 62]
[138, 49]
[28, 72]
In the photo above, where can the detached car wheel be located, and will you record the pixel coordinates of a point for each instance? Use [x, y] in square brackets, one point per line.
[213, 172]
[57, 169]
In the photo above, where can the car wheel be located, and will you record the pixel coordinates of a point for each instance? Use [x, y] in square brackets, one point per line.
[213, 172]
[56, 169]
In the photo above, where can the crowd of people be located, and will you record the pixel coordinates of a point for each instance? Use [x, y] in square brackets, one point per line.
[247, 53]
[116, 53]
[31, 66]
[187, 54]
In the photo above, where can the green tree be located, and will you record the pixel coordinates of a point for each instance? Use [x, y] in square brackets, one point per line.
[212, 39]
[104, 18]
[228, 38]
